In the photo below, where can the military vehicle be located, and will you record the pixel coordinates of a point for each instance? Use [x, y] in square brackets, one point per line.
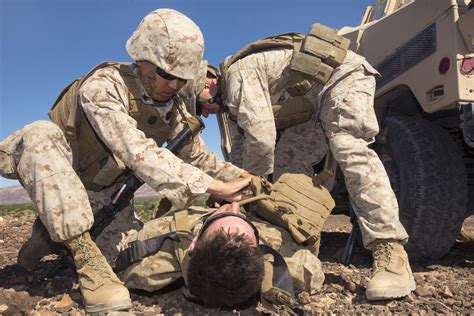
[424, 51]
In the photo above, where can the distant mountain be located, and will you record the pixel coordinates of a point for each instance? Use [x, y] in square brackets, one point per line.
[17, 195]
[13, 195]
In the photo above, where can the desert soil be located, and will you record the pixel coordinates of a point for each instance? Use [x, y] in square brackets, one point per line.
[443, 287]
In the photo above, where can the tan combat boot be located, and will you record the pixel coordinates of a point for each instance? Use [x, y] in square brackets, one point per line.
[36, 247]
[101, 290]
[392, 276]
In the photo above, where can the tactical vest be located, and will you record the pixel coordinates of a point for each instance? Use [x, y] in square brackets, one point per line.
[295, 203]
[315, 56]
[95, 164]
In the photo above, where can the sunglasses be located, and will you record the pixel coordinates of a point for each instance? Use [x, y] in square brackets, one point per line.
[211, 219]
[163, 74]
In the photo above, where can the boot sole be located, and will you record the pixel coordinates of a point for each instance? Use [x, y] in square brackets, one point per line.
[387, 294]
[108, 307]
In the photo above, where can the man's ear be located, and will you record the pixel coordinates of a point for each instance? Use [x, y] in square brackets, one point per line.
[192, 245]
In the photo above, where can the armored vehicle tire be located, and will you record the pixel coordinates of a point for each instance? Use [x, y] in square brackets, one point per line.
[428, 175]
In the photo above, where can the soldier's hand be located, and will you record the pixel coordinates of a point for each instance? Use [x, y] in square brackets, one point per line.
[232, 191]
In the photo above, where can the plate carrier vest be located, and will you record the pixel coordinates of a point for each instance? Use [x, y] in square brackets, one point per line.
[95, 164]
[315, 56]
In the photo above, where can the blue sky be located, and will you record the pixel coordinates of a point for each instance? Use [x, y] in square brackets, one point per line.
[45, 44]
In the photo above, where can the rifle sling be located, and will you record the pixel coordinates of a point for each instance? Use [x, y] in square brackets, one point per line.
[139, 249]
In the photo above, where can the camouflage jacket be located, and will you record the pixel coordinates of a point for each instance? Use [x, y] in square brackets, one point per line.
[104, 100]
[248, 85]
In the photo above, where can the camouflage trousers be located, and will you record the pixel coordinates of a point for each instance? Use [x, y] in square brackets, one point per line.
[346, 124]
[39, 156]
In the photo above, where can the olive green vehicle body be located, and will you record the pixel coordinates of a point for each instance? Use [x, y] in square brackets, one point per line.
[424, 52]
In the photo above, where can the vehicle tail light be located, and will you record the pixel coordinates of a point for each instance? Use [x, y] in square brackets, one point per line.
[467, 66]
[444, 65]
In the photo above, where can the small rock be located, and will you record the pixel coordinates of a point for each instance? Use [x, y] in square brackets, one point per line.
[351, 286]
[392, 304]
[304, 298]
[380, 308]
[457, 303]
[3, 307]
[423, 291]
[337, 287]
[65, 304]
[43, 302]
[446, 292]
[450, 301]
[2, 241]
[410, 298]
[419, 277]
[307, 310]
[324, 302]
[44, 312]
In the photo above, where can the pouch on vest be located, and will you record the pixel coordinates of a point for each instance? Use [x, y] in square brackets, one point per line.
[295, 203]
[322, 51]
[292, 111]
[277, 292]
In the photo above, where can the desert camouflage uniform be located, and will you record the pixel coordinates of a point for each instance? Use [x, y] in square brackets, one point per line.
[344, 120]
[39, 156]
[163, 268]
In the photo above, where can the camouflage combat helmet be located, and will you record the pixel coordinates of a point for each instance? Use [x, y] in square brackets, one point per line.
[169, 40]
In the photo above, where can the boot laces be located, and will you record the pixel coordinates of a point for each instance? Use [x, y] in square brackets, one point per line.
[383, 255]
[92, 259]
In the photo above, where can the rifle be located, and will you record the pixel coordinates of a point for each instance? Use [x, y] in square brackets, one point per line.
[226, 141]
[104, 216]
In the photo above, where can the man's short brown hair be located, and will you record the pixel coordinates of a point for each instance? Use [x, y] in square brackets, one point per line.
[225, 270]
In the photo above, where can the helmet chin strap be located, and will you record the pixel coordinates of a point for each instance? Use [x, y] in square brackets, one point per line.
[148, 82]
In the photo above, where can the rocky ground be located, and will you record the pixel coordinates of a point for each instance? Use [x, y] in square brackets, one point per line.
[444, 287]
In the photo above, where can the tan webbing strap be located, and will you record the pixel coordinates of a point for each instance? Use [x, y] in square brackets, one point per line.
[264, 197]
[276, 41]
[182, 227]
[193, 122]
